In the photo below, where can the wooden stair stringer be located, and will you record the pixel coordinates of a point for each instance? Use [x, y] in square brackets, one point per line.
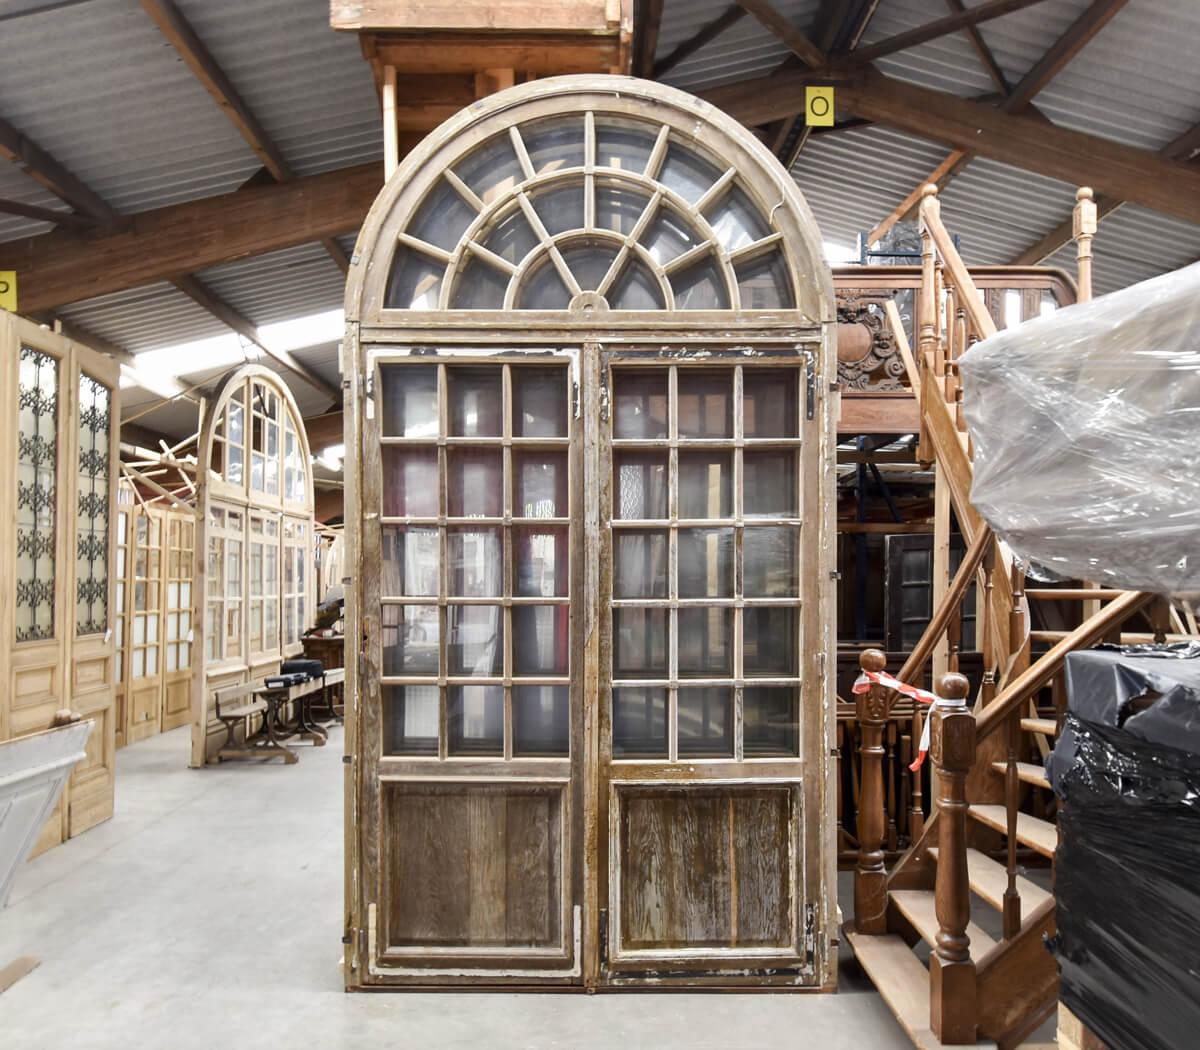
[903, 982]
[1017, 981]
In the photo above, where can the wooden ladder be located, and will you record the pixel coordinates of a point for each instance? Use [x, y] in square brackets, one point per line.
[976, 987]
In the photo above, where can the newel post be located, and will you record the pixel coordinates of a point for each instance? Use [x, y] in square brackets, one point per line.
[951, 971]
[870, 877]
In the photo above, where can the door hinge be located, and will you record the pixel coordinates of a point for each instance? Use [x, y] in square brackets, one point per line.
[810, 385]
[810, 934]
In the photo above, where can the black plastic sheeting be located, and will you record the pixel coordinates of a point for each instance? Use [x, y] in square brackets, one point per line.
[1126, 872]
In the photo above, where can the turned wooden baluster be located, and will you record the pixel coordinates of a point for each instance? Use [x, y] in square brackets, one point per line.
[951, 971]
[926, 334]
[1012, 785]
[893, 835]
[983, 628]
[870, 877]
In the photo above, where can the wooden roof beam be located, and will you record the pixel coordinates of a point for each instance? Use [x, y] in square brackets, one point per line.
[59, 218]
[43, 168]
[990, 65]
[1055, 59]
[1020, 140]
[58, 267]
[799, 44]
[647, 20]
[705, 35]
[201, 294]
[970, 16]
[184, 39]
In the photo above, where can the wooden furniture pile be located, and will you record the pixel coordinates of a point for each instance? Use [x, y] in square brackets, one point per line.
[58, 450]
[988, 791]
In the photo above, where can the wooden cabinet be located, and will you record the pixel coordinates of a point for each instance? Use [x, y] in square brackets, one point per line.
[58, 451]
[589, 533]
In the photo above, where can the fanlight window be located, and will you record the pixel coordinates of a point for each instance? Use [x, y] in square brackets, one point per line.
[586, 203]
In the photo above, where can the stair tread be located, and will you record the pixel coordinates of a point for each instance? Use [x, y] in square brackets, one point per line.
[1040, 835]
[1045, 726]
[918, 907]
[989, 880]
[903, 982]
[1029, 772]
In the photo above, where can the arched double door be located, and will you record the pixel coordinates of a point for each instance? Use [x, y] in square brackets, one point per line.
[589, 524]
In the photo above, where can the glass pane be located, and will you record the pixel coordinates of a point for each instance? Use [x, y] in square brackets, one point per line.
[706, 563]
[542, 562]
[475, 640]
[442, 217]
[544, 290]
[668, 237]
[541, 639]
[541, 485]
[561, 208]
[415, 281]
[626, 147]
[480, 286]
[705, 485]
[769, 402]
[764, 283]
[639, 564]
[492, 170]
[770, 568]
[589, 263]
[639, 723]
[769, 484]
[36, 510]
[541, 720]
[641, 489]
[410, 401]
[639, 643]
[410, 639]
[735, 220]
[540, 402]
[512, 238]
[705, 643]
[705, 715]
[700, 287]
[636, 289]
[475, 719]
[641, 396]
[705, 403]
[410, 482]
[476, 401]
[686, 173]
[554, 144]
[410, 719]
[476, 563]
[475, 483]
[770, 721]
[769, 643]
[618, 208]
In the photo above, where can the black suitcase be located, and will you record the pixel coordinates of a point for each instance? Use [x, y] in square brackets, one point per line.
[309, 668]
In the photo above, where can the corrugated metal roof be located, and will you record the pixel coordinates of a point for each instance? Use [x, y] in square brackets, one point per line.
[746, 49]
[114, 103]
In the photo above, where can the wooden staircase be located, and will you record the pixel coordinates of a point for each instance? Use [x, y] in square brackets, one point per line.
[953, 936]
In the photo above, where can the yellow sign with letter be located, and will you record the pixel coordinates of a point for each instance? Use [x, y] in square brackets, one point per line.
[818, 107]
[8, 290]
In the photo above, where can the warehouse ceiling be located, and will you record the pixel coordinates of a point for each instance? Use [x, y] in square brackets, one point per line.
[120, 119]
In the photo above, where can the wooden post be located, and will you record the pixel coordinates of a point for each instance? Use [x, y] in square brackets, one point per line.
[1084, 223]
[951, 971]
[870, 877]
[926, 333]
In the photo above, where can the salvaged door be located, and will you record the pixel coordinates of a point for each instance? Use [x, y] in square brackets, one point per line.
[711, 685]
[471, 475]
[177, 621]
[144, 689]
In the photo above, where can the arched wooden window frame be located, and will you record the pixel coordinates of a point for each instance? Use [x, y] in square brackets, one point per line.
[586, 337]
[689, 122]
[215, 493]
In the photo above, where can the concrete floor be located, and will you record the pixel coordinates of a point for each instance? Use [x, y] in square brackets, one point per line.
[207, 914]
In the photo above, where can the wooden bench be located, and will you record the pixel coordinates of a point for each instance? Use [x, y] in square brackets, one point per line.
[235, 705]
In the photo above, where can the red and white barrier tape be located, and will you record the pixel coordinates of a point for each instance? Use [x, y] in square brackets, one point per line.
[869, 678]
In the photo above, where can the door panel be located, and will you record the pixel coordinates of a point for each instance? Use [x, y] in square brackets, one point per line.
[711, 679]
[472, 466]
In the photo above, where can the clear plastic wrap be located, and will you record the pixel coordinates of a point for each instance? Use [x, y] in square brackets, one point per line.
[1085, 425]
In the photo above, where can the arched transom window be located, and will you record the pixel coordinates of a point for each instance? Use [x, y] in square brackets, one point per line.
[590, 204]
